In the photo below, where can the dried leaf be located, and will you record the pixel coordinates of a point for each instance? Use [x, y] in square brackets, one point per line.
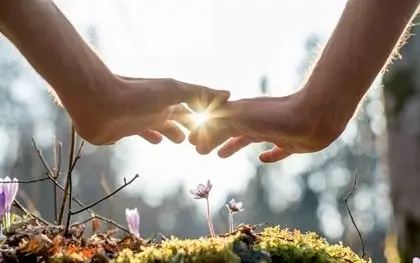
[96, 225]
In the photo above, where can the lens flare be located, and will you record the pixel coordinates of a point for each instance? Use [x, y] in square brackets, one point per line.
[200, 117]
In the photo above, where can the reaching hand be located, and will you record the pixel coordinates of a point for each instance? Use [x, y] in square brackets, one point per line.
[289, 123]
[144, 107]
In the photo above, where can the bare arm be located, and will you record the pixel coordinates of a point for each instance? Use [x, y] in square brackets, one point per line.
[312, 118]
[359, 47]
[56, 51]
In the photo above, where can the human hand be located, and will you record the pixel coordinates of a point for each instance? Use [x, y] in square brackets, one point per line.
[290, 122]
[144, 107]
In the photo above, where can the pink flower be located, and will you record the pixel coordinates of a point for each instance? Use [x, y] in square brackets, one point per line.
[202, 191]
[416, 260]
[133, 221]
[234, 206]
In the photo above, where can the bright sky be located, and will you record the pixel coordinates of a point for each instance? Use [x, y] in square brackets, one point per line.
[221, 44]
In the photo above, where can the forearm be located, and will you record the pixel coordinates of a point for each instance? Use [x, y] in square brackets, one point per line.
[54, 48]
[360, 45]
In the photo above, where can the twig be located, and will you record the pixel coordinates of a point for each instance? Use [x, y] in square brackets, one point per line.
[18, 205]
[44, 163]
[107, 220]
[107, 190]
[57, 168]
[351, 216]
[126, 183]
[71, 185]
[68, 178]
[57, 160]
[27, 182]
[80, 203]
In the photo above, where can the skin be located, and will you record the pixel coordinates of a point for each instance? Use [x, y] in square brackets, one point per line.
[315, 116]
[103, 107]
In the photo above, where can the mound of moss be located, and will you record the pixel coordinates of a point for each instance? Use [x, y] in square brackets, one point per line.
[272, 245]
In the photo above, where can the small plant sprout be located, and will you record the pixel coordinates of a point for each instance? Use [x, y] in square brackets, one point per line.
[202, 192]
[133, 221]
[233, 207]
[8, 191]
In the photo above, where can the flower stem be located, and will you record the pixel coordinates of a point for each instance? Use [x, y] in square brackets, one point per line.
[211, 228]
[230, 222]
[7, 220]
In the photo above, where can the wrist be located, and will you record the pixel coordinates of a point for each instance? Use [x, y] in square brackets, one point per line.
[91, 104]
[329, 114]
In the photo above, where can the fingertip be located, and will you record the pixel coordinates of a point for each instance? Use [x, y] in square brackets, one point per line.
[153, 140]
[265, 159]
[274, 155]
[202, 150]
[151, 136]
[191, 138]
[179, 140]
[223, 154]
[224, 94]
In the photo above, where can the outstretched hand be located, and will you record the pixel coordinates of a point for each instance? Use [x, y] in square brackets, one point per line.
[287, 122]
[144, 107]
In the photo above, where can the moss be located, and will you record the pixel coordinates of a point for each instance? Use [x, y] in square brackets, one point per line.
[272, 245]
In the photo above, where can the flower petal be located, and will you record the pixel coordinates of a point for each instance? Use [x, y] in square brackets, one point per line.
[194, 192]
[238, 205]
[7, 190]
[208, 186]
[14, 186]
[201, 188]
[1, 185]
[2, 204]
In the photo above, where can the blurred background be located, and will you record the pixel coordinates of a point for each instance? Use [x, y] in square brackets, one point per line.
[250, 48]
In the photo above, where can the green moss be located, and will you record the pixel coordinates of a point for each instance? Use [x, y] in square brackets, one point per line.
[281, 244]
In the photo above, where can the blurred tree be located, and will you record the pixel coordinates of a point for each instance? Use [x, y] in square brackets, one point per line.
[402, 96]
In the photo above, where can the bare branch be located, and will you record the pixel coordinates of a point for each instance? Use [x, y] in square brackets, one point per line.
[106, 197]
[68, 178]
[51, 176]
[107, 190]
[351, 216]
[57, 168]
[18, 205]
[44, 163]
[27, 182]
[107, 220]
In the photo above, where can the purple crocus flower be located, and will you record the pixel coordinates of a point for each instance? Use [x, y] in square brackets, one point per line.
[133, 221]
[9, 188]
[2, 202]
[202, 191]
[416, 260]
[234, 206]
